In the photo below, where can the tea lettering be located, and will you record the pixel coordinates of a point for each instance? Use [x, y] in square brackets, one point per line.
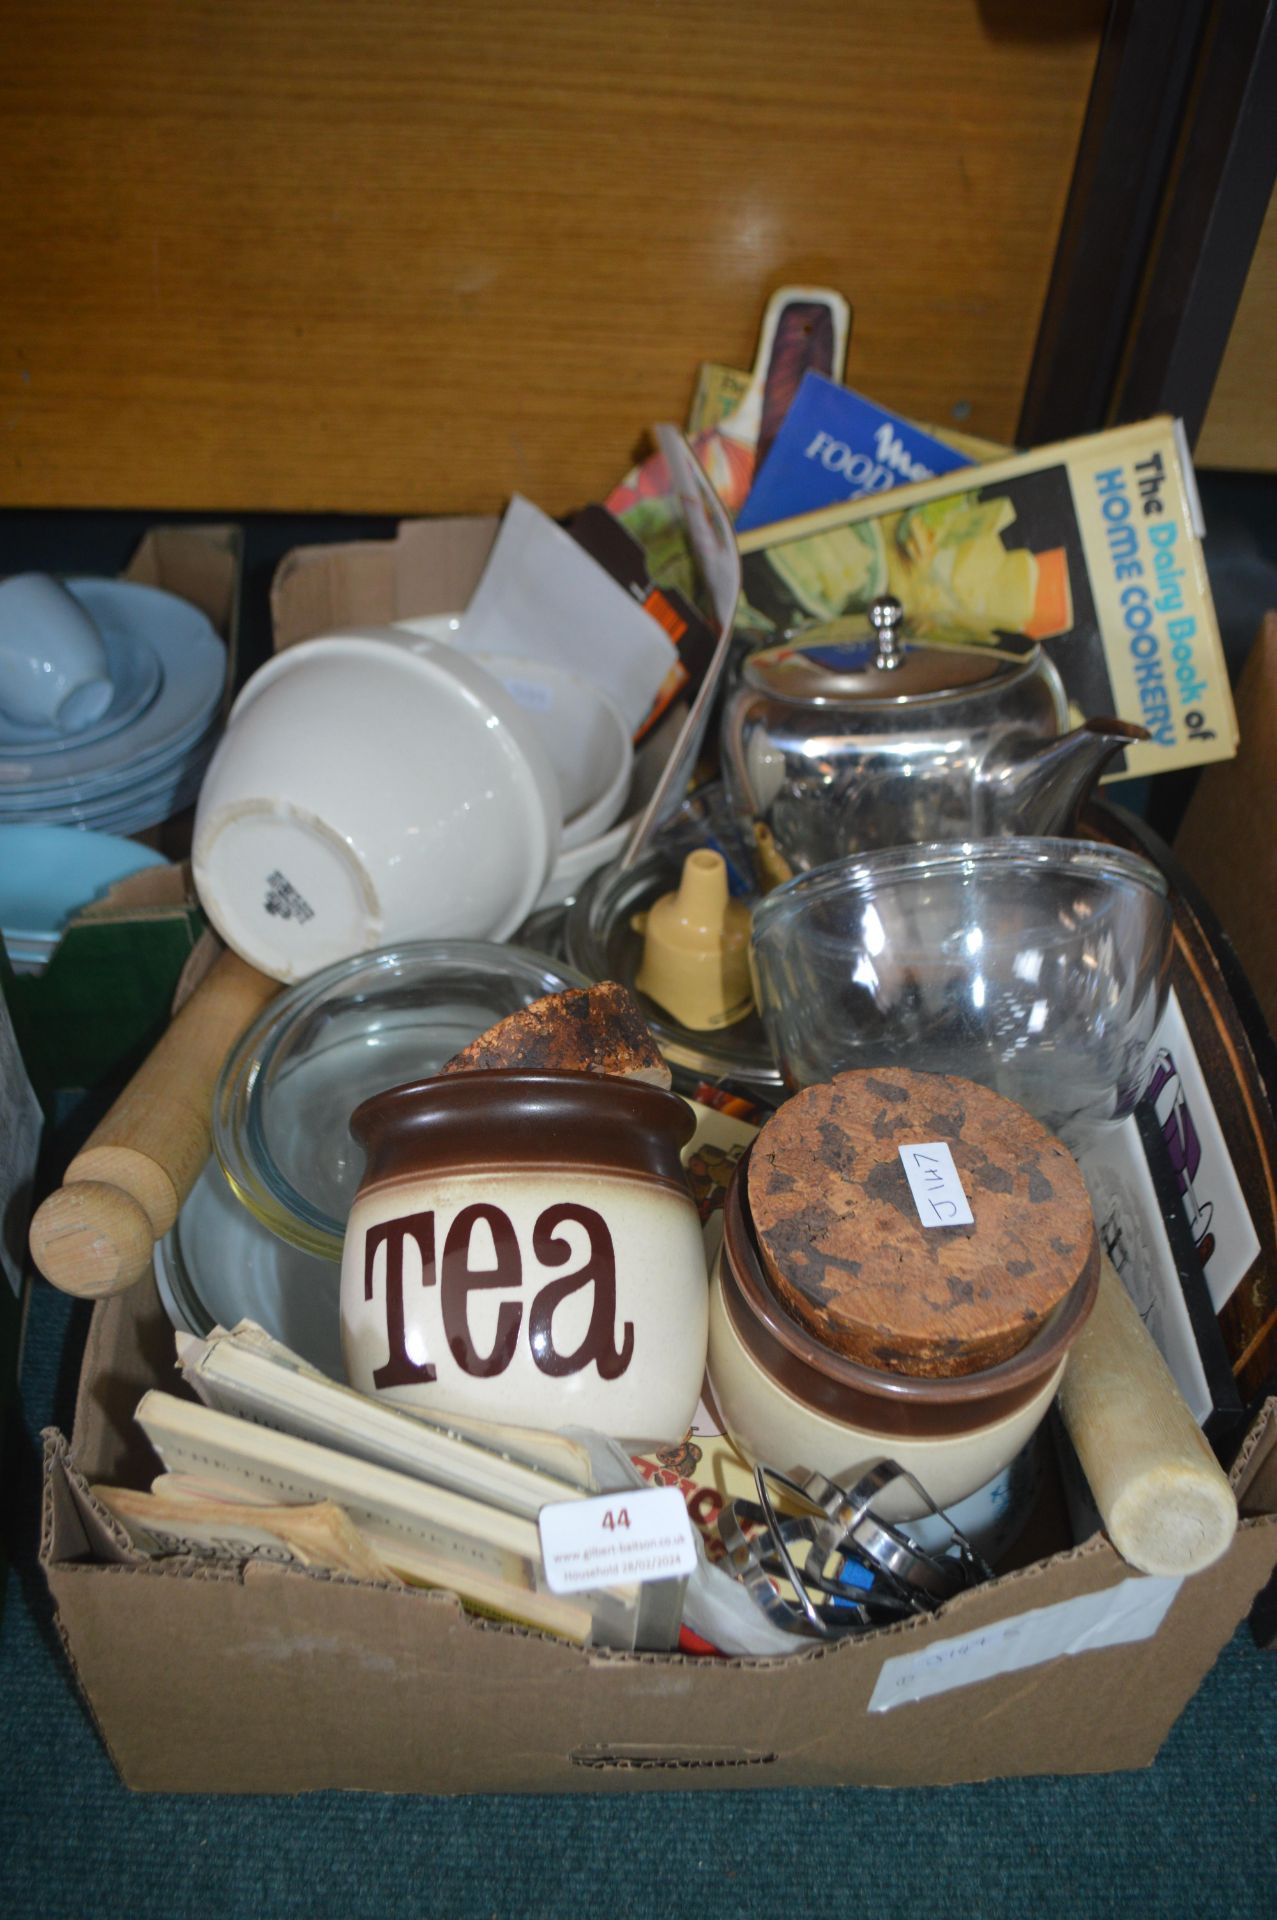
[458, 1278]
[400, 1370]
[552, 1249]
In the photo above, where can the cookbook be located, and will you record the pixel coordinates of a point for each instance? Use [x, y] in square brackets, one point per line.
[1091, 547]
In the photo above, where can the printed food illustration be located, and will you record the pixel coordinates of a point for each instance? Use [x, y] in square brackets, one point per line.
[951, 567]
[802, 330]
[949, 563]
[832, 573]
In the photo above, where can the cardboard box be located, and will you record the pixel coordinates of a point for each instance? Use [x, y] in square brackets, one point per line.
[281, 1680]
[431, 566]
[201, 563]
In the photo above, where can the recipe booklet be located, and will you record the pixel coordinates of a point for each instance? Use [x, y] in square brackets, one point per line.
[834, 445]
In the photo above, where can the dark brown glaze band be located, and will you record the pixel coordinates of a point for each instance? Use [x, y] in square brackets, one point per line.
[908, 1406]
[498, 1120]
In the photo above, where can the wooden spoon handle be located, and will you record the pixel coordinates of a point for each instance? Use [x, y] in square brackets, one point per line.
[1165, 1503]
[150, 1147]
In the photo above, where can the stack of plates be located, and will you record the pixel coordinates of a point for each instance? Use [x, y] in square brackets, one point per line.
[144, 759]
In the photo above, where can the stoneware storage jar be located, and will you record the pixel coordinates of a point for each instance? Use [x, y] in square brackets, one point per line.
[843, 1329]
[524, 1248]
[785, 1408]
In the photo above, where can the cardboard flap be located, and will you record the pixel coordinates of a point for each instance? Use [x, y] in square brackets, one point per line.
[203, 957]
[129, 1350]
[431, 566]
[438, 563]
[144, 895]
[322, 589]
[75, 1526]
[199, 563]
[1254, 1472]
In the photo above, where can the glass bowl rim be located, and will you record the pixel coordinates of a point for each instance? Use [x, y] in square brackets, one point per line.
[239, 1138]
[858, 874]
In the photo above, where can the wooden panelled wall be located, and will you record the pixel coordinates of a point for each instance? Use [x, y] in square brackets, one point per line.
[410, 255]
[1240, 429]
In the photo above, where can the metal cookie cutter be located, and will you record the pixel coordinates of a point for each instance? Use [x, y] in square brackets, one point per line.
[878, 1572]
[924, 1575]
[781, 1559]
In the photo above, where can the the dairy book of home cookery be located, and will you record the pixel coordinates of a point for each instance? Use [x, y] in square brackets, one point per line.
[1091, 547]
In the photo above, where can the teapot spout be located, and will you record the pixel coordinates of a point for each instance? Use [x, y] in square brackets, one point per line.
[1041, 789]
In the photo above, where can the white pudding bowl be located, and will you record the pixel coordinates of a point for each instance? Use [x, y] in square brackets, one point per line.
[584, 735]
[366, 793]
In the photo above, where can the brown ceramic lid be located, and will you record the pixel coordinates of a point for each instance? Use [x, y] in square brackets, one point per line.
[526, 1122]
[842, 1243]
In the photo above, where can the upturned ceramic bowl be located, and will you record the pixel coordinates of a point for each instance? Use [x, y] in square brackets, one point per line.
[366, 793]
[787, 1400]
[524, 1247]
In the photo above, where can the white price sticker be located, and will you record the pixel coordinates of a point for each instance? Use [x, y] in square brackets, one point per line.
[935, 1186]
[1117, 1616]
[615, 1539]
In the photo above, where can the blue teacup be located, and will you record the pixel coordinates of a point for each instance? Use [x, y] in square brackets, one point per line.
[53, 665]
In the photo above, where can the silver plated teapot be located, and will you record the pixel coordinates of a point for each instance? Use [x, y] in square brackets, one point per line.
[854, 736]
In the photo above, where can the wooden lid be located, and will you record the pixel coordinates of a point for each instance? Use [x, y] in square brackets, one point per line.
[843, 1244]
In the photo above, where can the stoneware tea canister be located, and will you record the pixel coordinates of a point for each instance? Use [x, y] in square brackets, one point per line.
[524, 1248]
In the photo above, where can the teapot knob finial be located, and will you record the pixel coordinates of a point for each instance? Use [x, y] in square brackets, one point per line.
[885, 615]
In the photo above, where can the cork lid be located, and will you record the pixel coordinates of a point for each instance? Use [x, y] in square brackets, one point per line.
[842, 1237]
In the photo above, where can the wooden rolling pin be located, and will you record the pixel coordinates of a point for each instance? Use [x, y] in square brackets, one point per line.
[1165, 1503]
[122, 1191]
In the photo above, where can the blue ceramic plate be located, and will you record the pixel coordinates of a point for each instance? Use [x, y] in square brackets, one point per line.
[49, 873]
[95, 805]
[133, 812]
